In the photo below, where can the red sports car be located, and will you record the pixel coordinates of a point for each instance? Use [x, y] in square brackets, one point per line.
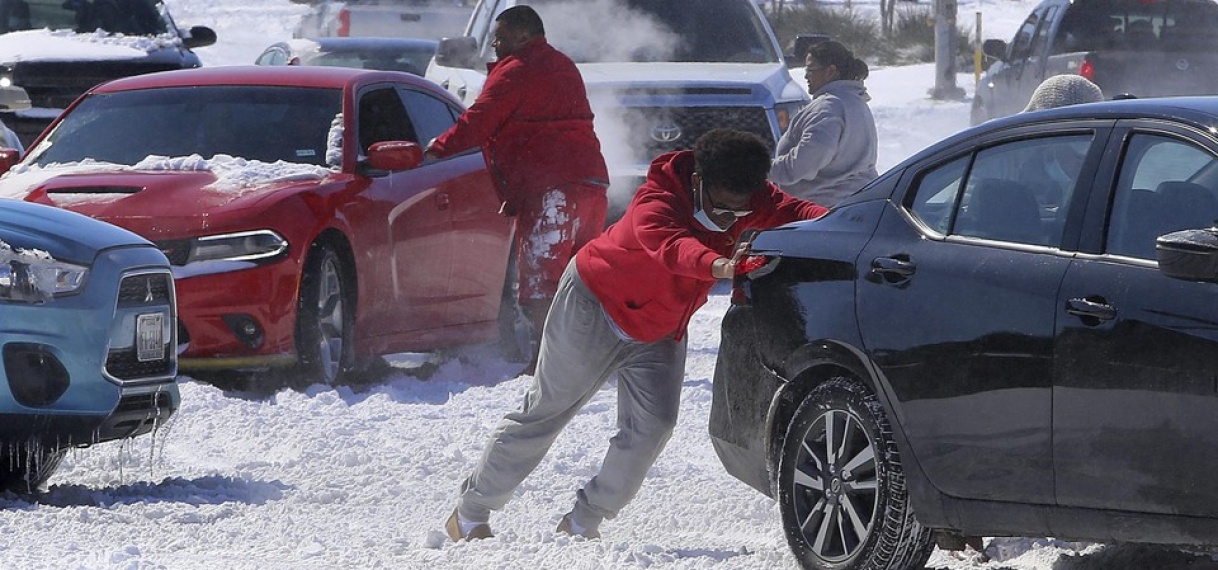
[303, 226]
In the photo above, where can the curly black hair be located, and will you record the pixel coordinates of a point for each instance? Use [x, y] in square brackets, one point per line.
[736, 161]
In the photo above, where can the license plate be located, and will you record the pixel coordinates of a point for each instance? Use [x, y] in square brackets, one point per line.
[150, 337]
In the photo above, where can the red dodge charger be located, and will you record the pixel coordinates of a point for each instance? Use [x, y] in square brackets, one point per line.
[303, 226]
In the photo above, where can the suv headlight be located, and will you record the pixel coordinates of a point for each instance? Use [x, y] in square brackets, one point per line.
[785, 111]
[38, 281]
[240, 246]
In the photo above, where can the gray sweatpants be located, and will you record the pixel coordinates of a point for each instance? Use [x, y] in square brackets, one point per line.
[579, 352]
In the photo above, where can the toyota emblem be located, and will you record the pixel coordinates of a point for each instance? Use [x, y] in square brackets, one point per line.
[666, 132]
[1182, 64]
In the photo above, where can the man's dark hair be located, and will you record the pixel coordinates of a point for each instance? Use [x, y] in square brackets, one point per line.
[735, 161]
[523, 18]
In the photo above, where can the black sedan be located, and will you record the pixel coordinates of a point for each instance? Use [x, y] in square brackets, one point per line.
[1012, 333]
[386, 54]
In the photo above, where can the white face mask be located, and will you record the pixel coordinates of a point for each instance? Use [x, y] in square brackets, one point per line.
[701, 215]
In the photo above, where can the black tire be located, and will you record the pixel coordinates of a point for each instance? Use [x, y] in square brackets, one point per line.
[325, 318]
[841, 488]
[26, 471]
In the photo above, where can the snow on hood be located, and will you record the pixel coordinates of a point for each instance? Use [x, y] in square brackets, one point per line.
[66, 45]
[234, 175]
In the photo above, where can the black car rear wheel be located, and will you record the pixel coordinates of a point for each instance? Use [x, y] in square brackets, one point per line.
[841, 488]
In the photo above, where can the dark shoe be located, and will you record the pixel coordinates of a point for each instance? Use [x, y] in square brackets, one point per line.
[453, 527]
[564, 527]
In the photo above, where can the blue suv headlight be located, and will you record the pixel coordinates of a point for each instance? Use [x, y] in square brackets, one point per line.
[38, 280]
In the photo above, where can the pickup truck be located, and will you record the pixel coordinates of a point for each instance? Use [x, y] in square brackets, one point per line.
[659, 73]
[425, 19]
[1144, 48]
[52, 51]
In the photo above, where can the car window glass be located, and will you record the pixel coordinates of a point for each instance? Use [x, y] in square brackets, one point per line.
[934, 198]
[1018, 191]
[262, 123]
[431, 116]
[1022, 44]
[130, 17]
[1041, 40]
[382, 117]
[1159, 192]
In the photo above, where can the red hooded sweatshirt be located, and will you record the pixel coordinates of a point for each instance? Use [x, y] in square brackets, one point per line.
[533, 122]
[652, 269]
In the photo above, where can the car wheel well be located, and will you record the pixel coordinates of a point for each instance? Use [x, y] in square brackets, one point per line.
[792, 396]
[342, 247]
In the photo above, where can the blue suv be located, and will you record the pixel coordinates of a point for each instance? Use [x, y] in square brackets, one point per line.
[87, 338]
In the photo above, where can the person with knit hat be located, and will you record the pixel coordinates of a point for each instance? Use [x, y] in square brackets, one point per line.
[1062, 90]
[829, 150]
[1053, 174]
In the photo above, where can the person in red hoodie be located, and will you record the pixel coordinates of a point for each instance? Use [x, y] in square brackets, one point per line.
[622, 308]
[534, 124]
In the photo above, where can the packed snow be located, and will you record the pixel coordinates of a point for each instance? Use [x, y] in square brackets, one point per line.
[364, 476]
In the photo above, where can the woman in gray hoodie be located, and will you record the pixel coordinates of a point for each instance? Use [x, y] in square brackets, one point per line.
[829, 150]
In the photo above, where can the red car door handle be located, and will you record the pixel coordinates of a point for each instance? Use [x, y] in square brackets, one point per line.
[442, 201]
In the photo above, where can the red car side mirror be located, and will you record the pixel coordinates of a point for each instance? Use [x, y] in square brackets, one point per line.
[8, 159]
[395, 155]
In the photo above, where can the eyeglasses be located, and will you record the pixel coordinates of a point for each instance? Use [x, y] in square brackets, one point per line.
[724, 211]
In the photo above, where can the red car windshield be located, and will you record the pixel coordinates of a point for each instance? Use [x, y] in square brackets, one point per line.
[253, 122]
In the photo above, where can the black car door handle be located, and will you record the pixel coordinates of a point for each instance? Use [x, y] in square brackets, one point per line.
[892, 267]
[1080, 307]
[891, 270]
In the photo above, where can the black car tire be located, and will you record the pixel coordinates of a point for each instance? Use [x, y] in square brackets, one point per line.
[26, 471]
[847, 511]
[325, 318]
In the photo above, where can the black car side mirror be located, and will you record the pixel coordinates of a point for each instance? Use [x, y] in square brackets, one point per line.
[996, 49]
[1191, 255]
[199, 36]
[457, 52]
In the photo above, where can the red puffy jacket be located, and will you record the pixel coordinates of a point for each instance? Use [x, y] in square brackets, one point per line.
[651, 270]
[533, 122]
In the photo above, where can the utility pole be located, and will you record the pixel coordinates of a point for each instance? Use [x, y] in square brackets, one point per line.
[945, 52]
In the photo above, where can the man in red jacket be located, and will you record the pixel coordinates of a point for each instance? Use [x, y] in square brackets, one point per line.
[622, 309]
[534, 125]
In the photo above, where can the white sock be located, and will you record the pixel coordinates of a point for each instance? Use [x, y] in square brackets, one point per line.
[467, 526]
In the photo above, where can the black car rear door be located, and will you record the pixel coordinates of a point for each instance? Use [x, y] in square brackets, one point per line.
[957, 301]
[1135, 403]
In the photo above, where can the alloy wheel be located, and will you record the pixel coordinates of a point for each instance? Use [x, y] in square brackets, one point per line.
[835, 486]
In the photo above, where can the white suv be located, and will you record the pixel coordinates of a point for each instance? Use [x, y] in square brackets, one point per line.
[659, 73]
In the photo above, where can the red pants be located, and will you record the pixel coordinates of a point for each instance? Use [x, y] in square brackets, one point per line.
[550, 228]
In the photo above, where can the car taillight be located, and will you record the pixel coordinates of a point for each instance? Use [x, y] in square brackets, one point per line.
[344, 23]
[1087, 69]
[744, 267]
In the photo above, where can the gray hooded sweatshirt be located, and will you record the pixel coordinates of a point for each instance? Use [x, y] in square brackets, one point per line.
[829, 150]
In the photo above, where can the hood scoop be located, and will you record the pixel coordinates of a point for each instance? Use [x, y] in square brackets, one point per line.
[95, 190]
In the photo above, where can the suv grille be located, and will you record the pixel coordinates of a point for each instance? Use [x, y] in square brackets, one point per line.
[143, 290]
[663, 129]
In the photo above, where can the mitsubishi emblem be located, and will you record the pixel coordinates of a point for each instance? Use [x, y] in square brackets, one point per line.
[666, 132]
[148, 291]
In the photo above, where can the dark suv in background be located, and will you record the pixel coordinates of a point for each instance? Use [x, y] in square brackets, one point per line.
[113, 38]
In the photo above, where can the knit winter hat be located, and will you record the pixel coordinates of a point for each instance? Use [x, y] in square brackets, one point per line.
[1062, 90]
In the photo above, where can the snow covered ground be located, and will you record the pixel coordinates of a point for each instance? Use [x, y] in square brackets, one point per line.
[363, 477]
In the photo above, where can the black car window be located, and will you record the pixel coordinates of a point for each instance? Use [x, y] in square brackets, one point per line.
[1157, 194]
[1018, 191]
[382, 117]
[934, 199]
[430, 115]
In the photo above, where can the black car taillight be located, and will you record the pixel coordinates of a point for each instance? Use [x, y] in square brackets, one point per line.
[749, 266]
